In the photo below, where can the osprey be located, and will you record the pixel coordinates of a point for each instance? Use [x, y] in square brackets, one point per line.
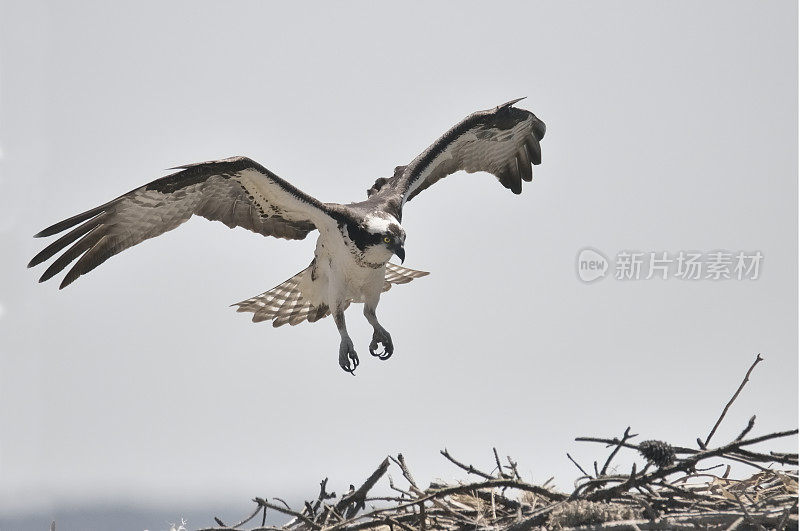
[355, 242]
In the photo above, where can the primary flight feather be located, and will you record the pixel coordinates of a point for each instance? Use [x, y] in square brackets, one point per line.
[355, 242]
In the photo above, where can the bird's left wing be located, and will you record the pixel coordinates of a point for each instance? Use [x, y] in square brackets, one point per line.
[236, 191]
[503, 141]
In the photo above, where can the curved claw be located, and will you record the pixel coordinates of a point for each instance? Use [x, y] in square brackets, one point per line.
[381, 338]
[348, 359]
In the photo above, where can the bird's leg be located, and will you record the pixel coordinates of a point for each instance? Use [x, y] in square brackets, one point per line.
[380, 335]
[348, 359]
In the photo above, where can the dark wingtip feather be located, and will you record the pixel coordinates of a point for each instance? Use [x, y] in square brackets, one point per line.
[49, 231]
[101, 250]
[66, 282]
[71, 276]
[70, 222]
[47, 275]
[534, 150]
[524, 164]
[64, 241]
[539, 128]
[516, 180]
[52, 229]
[72, 253]
[511, 179]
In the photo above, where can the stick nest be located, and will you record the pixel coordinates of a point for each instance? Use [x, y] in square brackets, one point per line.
[668, 489]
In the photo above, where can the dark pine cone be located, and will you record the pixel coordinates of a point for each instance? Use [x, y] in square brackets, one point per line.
[659, 453]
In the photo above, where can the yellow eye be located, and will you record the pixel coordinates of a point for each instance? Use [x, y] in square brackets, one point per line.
[387, 239]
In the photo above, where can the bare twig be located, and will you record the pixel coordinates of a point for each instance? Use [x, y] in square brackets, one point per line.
[500, 472]
[354, 502]
[401, 462]
[512, 465]
[746, 430]
[469, 468]
[577, 465]
[615, 440]
[625, 437]
[234, 526]
[290, 512]
[398, 489]
[323, 494]
[735, 395]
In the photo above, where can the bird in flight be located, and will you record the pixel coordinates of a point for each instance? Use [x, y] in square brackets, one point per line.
[355, 241]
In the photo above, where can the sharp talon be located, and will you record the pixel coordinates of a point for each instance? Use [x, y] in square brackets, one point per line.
[381, 338]
[348, 359]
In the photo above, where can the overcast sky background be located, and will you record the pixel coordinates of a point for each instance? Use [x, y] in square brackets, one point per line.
[670, 126]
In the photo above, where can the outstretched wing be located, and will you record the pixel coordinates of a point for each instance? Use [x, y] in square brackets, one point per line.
[503, 141]
[236, 191]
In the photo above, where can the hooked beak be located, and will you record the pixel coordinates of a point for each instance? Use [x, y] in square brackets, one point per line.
[401, 253]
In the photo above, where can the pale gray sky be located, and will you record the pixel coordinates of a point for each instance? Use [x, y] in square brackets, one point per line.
[670, 126]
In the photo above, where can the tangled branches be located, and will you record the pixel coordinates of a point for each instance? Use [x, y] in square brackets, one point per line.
[670, 491]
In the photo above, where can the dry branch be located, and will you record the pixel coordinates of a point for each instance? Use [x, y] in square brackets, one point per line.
[735, 395]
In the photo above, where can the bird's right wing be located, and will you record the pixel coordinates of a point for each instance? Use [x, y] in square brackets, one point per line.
[236, 191]
[503, 141]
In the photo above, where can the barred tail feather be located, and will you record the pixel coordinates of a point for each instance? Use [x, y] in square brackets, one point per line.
[396, 274]
[284, 304]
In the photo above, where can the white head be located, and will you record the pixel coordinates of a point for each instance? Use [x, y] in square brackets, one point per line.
[385, 231]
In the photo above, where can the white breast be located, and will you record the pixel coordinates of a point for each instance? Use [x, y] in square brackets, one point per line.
[338, 276]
